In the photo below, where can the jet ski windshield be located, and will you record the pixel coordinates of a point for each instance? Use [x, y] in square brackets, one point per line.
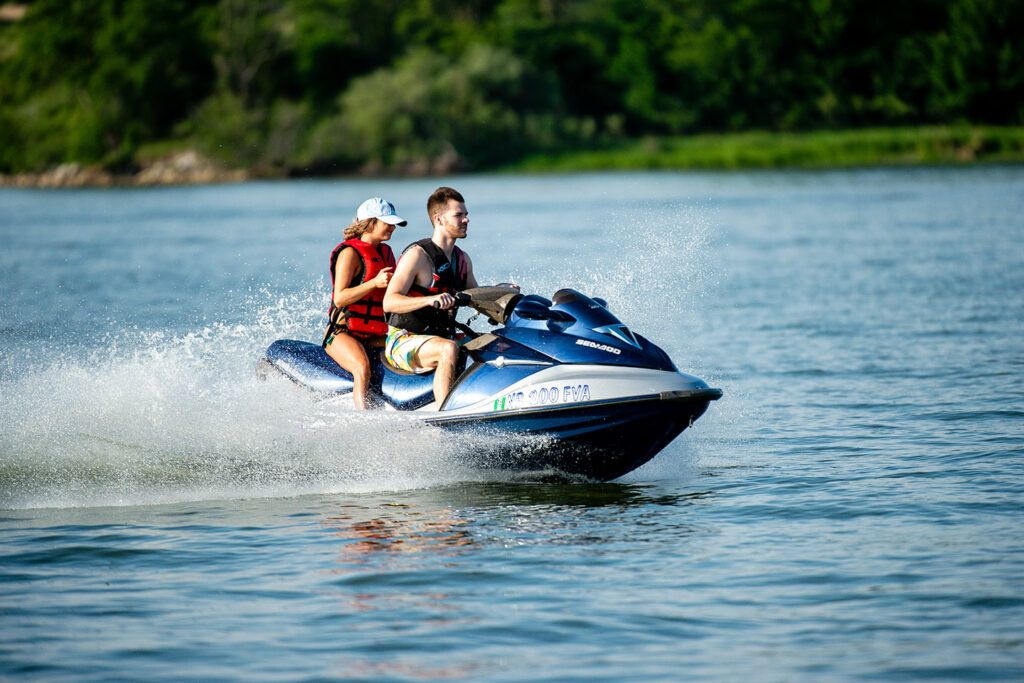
[592, 313]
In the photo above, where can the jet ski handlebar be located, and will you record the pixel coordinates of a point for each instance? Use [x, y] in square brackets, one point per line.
[496, 302]
[461, 299]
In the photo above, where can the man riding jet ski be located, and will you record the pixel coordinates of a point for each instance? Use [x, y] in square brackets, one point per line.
[567, 385]
[419, 299]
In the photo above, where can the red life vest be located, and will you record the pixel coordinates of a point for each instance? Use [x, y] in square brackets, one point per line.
[363, 318]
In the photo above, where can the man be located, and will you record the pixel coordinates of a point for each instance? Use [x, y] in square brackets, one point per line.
[420, 298]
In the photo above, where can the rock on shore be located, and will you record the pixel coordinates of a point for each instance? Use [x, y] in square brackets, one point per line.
[182, 168]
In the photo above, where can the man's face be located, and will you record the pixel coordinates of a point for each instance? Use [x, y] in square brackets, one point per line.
[454, 219]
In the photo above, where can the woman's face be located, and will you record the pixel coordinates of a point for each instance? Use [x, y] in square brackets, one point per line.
[381, 231]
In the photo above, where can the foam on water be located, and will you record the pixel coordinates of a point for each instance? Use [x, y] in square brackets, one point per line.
[160, 418]
[153, 417]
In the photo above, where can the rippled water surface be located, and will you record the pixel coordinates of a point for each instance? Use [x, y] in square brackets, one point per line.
[851, 509]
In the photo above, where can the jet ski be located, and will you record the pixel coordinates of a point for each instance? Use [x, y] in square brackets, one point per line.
[573, 388]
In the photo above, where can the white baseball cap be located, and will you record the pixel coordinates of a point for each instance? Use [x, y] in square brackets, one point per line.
[380, 209]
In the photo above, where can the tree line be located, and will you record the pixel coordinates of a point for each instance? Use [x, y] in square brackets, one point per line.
[319, 86]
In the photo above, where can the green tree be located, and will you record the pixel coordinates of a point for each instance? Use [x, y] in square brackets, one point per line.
[88, 80]
[430, 111]
[983, 79]
[405, 83]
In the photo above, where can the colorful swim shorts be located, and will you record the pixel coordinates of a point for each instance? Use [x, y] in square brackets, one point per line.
[402, 345]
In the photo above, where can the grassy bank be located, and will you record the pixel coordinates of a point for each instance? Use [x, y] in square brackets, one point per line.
[176, 162]
[820, 149]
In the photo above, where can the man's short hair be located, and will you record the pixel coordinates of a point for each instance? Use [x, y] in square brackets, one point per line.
[439, 201]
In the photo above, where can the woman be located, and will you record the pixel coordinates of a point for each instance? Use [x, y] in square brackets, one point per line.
[361, 268]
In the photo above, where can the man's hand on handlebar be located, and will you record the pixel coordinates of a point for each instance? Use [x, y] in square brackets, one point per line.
[458, 299]
[443, 300]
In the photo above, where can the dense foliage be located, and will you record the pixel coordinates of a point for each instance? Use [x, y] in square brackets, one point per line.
[317, 85]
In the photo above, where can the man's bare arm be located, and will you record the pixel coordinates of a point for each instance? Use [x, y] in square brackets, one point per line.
[470, 277]
[397, 299]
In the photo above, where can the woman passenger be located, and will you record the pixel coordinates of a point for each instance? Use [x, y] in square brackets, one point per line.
[361, 268]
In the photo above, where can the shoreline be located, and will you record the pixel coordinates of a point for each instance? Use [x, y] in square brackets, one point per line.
[183, 168]
[815, 150]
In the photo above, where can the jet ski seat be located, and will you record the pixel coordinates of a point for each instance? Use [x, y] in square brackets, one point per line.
[395, 369]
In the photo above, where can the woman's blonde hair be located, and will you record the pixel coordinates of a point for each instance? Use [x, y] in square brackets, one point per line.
[357, 228]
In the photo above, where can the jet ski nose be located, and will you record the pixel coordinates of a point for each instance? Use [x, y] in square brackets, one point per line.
[620, 332]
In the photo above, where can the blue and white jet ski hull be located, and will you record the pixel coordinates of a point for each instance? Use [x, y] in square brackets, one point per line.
[595, 420]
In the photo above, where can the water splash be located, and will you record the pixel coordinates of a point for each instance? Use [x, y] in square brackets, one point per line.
[654, 268]
[154, 418]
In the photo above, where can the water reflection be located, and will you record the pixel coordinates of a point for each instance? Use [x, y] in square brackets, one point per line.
[426, 564]
[538, 490]
[389, 540]
[367, 669]
[398, 528]
[450, 521]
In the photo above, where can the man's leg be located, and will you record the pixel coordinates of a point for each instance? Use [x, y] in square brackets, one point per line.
[440, 354]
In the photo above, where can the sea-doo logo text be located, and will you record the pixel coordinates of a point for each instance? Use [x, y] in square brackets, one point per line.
[599, 347]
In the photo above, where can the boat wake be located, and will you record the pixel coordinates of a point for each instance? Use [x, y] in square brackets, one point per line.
[155, 418]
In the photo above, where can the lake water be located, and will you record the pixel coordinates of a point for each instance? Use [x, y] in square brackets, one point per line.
[851, 509]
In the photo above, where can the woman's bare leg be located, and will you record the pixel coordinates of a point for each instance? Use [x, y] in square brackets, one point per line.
[349, 353]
